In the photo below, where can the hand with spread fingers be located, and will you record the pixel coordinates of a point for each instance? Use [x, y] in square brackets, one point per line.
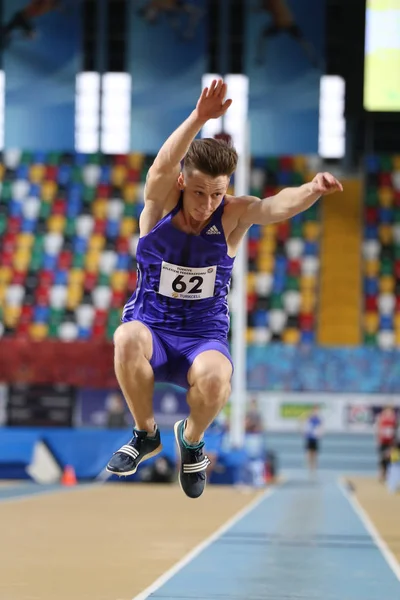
[212, 103]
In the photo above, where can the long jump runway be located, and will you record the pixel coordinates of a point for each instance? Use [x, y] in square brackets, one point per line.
[302, 540]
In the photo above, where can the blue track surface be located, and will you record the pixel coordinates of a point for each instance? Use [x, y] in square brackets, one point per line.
[305, 542]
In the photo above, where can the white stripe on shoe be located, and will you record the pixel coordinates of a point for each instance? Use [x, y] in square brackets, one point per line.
[196, 467]
[129, 450]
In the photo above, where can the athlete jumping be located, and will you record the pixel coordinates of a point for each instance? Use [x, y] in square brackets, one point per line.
[175, 326]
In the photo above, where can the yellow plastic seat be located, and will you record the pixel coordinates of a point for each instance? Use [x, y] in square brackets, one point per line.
[49, 190]
[385, 233]
[308, 301]
[397, 321]
[2, 169]
[76, 277]
[311, 231]
[136, 160]
[268, 231]
[36, 173]
[5, 274]
[3, 288]
[99, 208]
[92, 260]
[299, 163]
[397, 337]
[11, 315]
[56, 223]
[118, 175]
[396, 162]
[130, 192]
[251, 283]
[371, 267]
[74, 295]
[386, 284]
[266, 263]
[308, 282]
[96, 242]
[267, 245]
[119, 280]
[128, 226]
[21, 259]
[371, 322]
[38, 331]
[385, 196]
[25, 240]
[291, 336]
[250, 335]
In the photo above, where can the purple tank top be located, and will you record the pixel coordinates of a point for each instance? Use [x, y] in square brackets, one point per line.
[183, 279]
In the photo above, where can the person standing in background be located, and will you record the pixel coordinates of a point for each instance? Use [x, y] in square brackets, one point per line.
[313, 434]
[386, 425]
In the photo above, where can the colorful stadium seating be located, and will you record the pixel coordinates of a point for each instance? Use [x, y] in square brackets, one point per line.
[381, 252]
[69, 229]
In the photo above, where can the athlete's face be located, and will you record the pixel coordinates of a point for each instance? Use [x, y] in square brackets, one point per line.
[202, 193]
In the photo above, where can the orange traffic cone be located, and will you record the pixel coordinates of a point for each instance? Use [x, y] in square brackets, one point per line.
[68, 477]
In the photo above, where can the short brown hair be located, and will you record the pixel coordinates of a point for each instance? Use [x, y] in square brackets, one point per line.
[212, 157]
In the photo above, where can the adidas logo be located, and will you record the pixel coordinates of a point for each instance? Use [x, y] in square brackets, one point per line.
[213, 230]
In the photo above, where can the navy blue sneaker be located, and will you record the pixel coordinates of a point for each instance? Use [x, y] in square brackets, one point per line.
[192, 473]
[141, 447]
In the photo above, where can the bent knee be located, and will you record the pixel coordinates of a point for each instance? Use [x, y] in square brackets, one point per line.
[214, 387]
[132, 340]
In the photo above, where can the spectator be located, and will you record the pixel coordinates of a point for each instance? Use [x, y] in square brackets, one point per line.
[174, 11]
[23, 19]
[313, 434]
[116, 417]
[283, 21]
[386, 426]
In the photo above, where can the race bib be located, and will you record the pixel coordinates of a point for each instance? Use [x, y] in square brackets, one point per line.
[187, 283]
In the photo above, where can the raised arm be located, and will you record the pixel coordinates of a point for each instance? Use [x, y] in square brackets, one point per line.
[166, 166]
[288, 202]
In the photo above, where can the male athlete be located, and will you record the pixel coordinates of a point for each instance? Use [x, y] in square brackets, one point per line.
[175, 326]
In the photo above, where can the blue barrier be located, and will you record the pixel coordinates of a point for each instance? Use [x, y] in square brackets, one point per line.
[88, 450]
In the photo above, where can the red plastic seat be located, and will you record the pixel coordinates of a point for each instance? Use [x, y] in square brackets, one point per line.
[133, 175]
[18, 278]
[122, 245]
[294, 268]
[282, 231]
[64, 260]
[103, 190]
[132, 281]
[46, 278]
[371, 216]
[286, 163]
[26, 314]
[252, 249]
[59, 207]
[42, 295]
[371, 304]
[14, 224]
[90, 281]
[251, 302]
[385, 179]
[306, 321]
[51, 173]
[100, 226]
[9, 240]
[118, 298]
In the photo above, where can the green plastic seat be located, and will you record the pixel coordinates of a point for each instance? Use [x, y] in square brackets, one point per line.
[78, 261]
[276, 301]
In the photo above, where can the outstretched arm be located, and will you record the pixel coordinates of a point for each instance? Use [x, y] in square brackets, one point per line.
[288, 202]
[166, 166]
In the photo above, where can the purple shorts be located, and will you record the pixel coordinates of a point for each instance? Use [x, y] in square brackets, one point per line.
[173, 355]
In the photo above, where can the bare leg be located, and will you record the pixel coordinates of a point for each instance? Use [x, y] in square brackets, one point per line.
[133, 351]
[209, 379]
